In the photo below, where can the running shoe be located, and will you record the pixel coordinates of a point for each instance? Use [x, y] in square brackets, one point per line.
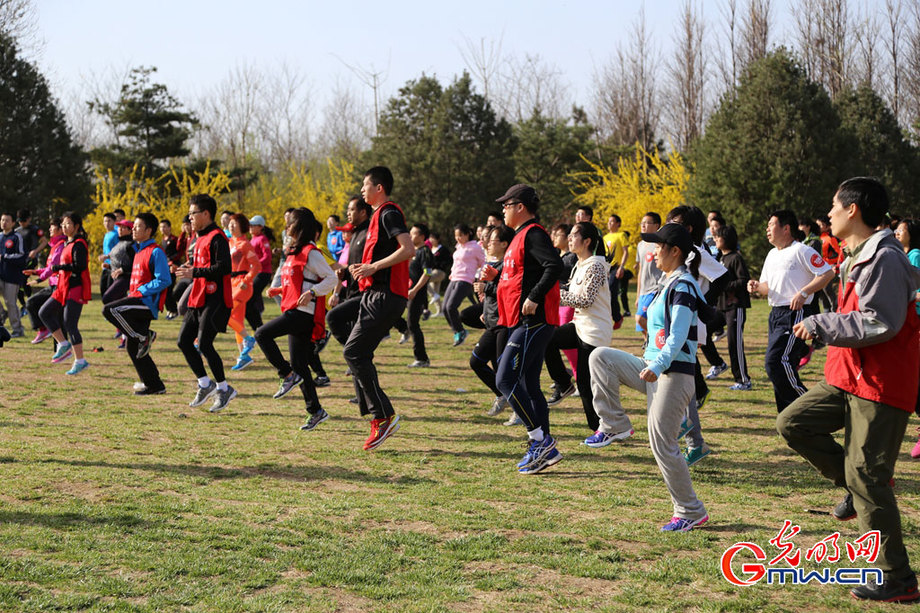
[287, 384]
[315, 419]
[78, 367]
[381, 430]
[420, 364]
[403, 338]
[498, 405]
[536, 451]
[715, 371]
[223, 399]
[701, 401]
[681, 524]
[915, 452]
[685, 427]
[514, 420]
[43, 333]
[146, 391]
[122, 343]
[560, 395]
[695, 454]
[321, 343]
[63, 352]
[807, 358]
[321, 381]
[242, 362]
[891, 590]
[602, 439]
[741, 387]
[553, 457]
[144, 347]
[845, 511]
[202, 395]
[248, 343]
[618, 324]
[17, 333]
[459, 337]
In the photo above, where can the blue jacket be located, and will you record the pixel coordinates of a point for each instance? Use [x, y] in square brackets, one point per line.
[159, 264]
[12, 258]
[674, 350]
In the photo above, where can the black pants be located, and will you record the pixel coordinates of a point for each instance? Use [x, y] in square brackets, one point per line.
[132, 317]
[470, 316]
[180, 291]
[614, 284]
[784, 351]
[256, 306]
[416, 306]
[34, 304]
[105, 280]
[518, 375]
[453, 298]
[734, 325]
[171, 304]
[710, 351]
[565, 337]
[488, 349]
[298, 326]
[341, 319]
[65, 317]
[624, 289]
[202, 323]
[118, 289]
[378, 311]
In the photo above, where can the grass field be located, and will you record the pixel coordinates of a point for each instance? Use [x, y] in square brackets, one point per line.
[115, 503]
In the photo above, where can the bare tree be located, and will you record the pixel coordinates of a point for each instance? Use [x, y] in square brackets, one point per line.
[686, 83]
[18, 19]
[230, 115]
[345, 131]
[894, 41]
[484, 61]
[910, 90]
[373, 79]
[727, 59]
[867, 68]
[534, 87]
[285, 117]
[625, 98]
[823, 37]
[756, 24]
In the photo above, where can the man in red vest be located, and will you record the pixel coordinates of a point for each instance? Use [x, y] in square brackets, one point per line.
[528, 305]
[872, 372]
[383, 278]
[150, 280]
[209, 303]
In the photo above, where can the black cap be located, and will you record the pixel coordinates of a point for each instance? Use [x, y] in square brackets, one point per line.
[671, 234]
[523, 192]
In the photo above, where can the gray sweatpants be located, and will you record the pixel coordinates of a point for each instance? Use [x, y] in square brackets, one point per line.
[666, 402]
[9, 291]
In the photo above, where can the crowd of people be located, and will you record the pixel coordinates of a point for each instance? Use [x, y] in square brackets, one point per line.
[539, 295]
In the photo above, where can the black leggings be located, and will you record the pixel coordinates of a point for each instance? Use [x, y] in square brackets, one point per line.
[256, 305]
[199, 323]
[34, 305]
[298, 326]
[51, 313]
[566, 337]
[488, 349]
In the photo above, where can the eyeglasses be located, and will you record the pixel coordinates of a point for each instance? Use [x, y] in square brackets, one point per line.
[507, 204]
[195, 212]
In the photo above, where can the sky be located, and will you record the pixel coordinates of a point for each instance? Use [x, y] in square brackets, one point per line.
[196, 43]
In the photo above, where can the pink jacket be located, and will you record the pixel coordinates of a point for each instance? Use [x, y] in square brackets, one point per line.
[57, 246]
[468, 258]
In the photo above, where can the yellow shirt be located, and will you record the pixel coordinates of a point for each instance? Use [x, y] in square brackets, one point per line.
[616, 243]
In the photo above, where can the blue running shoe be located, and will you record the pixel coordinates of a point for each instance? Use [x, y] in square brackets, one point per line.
[78, 367]
[536, 451]
[680, 524]
[695, 454]
[602, 439]
[63, 352]
[553, 457]
[242, 362]
[248, 343]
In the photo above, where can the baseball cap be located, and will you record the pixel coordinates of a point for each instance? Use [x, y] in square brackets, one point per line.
[522, 192]
[257, 220]
[346, 228]
[125, 223]
[671, 234]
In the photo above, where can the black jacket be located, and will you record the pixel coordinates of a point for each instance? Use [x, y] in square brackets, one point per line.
[736, 292]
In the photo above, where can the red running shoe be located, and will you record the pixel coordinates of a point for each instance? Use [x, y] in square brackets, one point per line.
[804, 361]
[381, 429]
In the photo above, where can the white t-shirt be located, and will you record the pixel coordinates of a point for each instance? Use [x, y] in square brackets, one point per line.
[710, 269]
[786, 271]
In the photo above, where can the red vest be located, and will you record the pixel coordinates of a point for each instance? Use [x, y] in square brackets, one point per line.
[63, 285]
[510, 286]
[292, 280]
[201, 286]
[888, 372]
[141, 274]
[399, 274]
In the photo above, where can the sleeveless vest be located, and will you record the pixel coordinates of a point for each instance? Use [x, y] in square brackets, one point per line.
[142, 274]
[292, 286]
[63, 285]
[510, 286]
[373, 251]
[201, 286]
